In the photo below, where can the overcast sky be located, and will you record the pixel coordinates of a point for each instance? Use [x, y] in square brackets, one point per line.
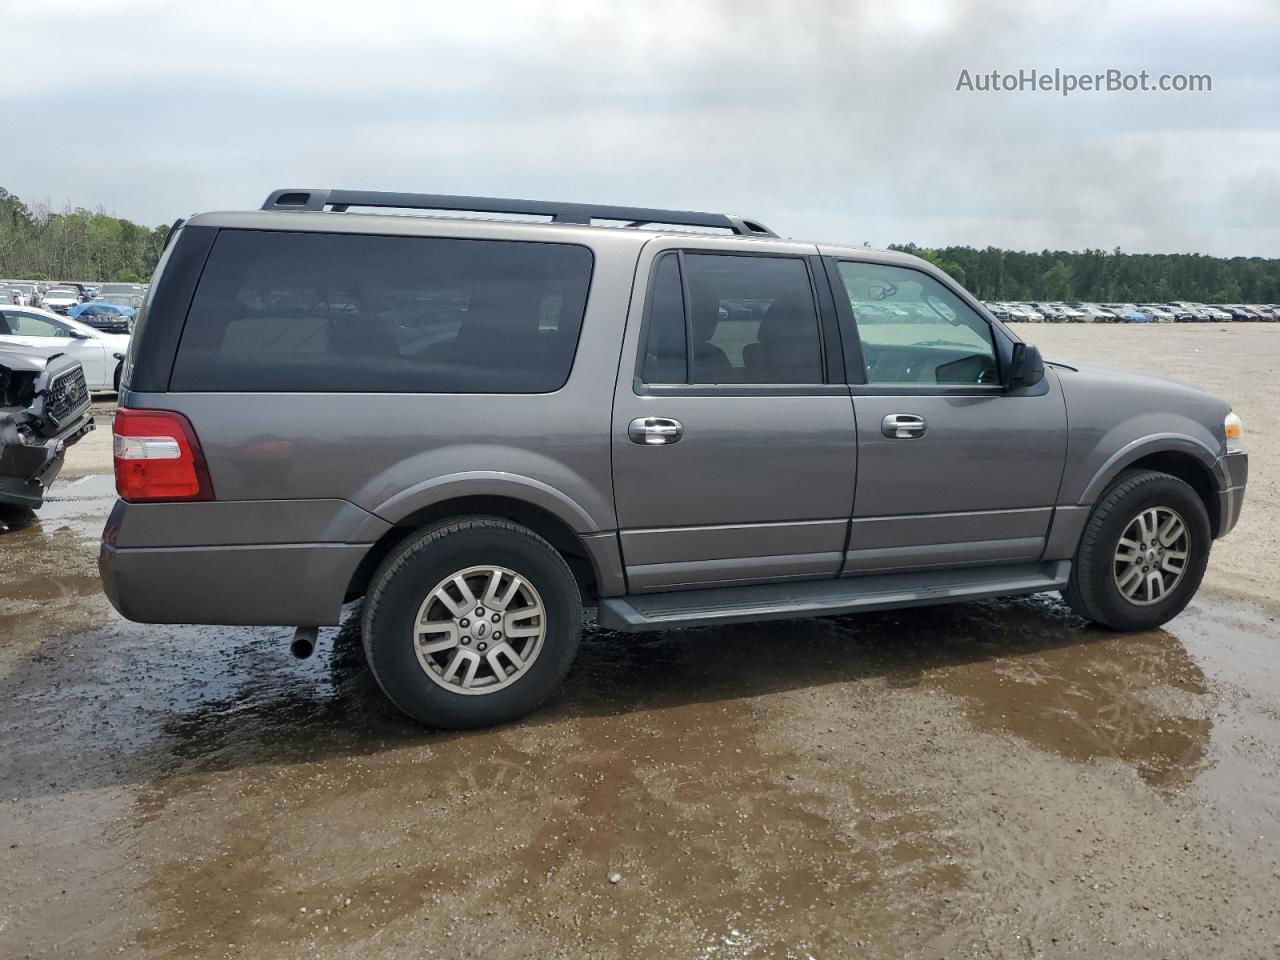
[826, 120]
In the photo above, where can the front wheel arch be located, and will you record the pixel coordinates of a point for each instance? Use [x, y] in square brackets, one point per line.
[1091, 592]
[1191, 471]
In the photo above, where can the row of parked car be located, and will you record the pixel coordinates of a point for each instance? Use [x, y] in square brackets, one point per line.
[108, 307]
[1175, 311]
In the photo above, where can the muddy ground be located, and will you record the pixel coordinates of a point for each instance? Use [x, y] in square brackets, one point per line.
[990, 779]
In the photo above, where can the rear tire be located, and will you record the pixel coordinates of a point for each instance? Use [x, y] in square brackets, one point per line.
[1102, 563]
[443, 664]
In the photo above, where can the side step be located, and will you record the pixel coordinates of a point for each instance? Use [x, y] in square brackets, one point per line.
[821, 598]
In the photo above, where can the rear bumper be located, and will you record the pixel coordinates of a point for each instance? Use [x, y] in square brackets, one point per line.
[1234, 476]
[285, 584]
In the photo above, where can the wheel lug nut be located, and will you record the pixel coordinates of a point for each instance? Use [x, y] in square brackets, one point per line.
[466, 641]
[496, 618]
[496, 635]
[465, 623]
[479, 611]
[484, 646]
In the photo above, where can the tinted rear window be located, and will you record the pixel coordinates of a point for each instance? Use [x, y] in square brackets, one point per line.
[350, 313]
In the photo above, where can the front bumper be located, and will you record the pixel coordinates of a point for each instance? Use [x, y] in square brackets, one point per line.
[1234, 475]
[28, 469]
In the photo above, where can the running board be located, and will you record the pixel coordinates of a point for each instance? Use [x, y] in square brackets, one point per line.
[822, 598]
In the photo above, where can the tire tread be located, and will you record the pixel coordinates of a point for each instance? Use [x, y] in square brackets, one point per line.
[423, 540]
[1080, 593]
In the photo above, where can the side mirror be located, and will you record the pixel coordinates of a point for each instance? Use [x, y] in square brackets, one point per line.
[1026, 368]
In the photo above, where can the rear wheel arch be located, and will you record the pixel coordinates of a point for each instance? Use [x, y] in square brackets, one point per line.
[538, 519]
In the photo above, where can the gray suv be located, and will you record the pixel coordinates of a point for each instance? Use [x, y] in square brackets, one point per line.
[483, 426]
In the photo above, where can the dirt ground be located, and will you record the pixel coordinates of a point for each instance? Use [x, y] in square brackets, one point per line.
[990, 779]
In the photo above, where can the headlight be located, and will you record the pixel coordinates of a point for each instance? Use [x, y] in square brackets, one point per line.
[1233, 430]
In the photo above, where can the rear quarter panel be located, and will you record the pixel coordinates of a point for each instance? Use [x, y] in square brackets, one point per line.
[394, 453]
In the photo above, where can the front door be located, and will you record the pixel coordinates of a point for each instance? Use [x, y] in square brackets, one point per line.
[734, 446]
[953, 469]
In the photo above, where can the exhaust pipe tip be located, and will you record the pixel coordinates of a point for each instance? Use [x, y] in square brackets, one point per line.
[304, 642]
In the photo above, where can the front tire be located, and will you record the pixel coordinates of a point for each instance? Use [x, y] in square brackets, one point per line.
[1143, 552]
[471, 622]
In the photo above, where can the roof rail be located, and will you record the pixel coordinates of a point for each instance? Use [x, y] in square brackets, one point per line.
[581, 213]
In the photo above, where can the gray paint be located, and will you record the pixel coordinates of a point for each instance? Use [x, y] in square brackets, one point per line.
[943, 555]
[230, 522]
[606, 559]
[283, 584]
[765, 485]
[736, 540]
[755, 471]
[1235, 468]
[685, 575]
[1117, 418]
[987, 469]
[921, 529]
[1065, 531]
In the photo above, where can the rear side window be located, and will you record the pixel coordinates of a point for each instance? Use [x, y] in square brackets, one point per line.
[348, 313]
[734, 319]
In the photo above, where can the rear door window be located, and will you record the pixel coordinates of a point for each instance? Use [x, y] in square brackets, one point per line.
[319, 312]
[736, 320]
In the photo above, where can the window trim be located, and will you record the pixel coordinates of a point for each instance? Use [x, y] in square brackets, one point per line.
[642, 344]
[855, 364]
[641, 388]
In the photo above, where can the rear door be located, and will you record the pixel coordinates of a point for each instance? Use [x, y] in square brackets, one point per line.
[953, 469]
[734, 447]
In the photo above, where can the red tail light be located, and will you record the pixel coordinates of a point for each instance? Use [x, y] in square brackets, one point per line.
[158, 457]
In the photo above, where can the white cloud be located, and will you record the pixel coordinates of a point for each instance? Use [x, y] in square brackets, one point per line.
[828, 118]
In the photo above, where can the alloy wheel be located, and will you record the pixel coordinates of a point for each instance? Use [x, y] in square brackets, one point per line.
[479, 630]
[1151, 557]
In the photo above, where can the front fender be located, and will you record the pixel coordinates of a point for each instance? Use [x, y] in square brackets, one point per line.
[1115, 419]
[1142, 447]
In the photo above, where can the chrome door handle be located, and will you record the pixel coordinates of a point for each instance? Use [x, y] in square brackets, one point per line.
[903, 426]
[652, 431]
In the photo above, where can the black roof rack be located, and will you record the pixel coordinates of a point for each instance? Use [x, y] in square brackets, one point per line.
[582, 213]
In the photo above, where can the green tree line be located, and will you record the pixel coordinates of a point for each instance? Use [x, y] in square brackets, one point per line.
[1097, 276]
[37, 243]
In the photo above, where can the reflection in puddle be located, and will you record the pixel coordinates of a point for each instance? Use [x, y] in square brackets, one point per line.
[761, 790]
